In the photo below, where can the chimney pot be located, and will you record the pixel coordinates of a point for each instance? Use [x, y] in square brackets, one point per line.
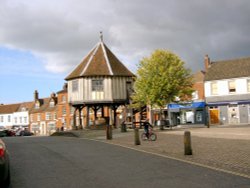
[36, 95]
[206, 62]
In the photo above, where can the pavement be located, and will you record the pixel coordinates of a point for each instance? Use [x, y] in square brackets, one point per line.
[223, 148]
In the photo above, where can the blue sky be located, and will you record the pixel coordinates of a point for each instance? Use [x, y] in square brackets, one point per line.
[42, 41]
[22, 74]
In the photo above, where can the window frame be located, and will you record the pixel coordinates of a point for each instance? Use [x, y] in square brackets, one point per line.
[214, 88]
[97, 85]
[248, 85]
[231, 86]
[75, 85]
[48, 116]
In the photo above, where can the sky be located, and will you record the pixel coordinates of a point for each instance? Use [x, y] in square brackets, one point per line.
[42, 41]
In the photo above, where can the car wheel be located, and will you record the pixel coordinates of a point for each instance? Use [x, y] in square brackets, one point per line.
[6, 183]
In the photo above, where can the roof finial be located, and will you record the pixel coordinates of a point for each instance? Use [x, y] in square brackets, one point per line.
[101, 36]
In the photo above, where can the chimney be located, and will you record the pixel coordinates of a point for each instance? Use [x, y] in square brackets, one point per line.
[206, 62]
[35, 95]
[53, 95]
[65, 86]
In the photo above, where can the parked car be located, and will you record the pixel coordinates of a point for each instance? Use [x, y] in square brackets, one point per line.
[7, 132]
[26, 132]
[4, 166]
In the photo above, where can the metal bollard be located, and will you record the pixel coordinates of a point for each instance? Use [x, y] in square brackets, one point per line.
[187, 143]
[137, 138]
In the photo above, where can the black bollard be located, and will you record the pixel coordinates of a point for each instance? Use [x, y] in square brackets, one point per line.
[137, 138]
[108, 132]
[187, 143]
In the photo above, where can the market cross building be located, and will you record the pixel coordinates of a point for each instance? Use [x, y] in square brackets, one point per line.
[98, 83]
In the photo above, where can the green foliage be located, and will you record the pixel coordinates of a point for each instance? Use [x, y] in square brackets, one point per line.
[161, 78]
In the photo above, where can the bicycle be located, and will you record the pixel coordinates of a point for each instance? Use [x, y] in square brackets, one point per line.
[151, 136]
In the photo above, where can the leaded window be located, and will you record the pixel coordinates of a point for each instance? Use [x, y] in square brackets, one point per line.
[97, 85]
[74, 85]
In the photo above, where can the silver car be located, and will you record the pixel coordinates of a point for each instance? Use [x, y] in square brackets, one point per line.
[4, 166]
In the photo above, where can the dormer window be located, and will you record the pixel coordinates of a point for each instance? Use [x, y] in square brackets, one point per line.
[51, 103]
[23, 109]
[37, 105]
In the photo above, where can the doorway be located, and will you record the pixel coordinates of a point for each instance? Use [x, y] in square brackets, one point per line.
[233, 114]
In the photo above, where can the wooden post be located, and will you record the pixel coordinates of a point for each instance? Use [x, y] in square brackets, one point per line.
[80, 117]
[137, 137]
[74, 120]
[87, 117]
[187, 143]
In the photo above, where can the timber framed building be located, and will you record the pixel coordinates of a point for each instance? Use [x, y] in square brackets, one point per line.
[100, 83]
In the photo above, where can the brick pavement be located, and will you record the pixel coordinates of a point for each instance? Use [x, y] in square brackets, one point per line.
[223, 148]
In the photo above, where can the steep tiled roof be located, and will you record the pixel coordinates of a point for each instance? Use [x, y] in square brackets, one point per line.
[9, 108]
[44, 107]
[26, 105]
[99, 62]
[235, 68]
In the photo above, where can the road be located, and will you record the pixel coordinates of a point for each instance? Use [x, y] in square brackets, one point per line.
[51, 162]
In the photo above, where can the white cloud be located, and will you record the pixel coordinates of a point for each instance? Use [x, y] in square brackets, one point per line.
[61, 33]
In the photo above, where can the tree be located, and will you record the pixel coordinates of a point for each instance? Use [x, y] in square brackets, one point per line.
[161, 78]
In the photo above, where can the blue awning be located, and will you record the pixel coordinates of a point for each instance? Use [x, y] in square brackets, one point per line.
[187, 105]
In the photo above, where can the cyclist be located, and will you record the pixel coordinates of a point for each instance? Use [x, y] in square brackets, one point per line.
[146, 125]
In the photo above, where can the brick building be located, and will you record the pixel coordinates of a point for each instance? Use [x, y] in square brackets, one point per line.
[43, 115]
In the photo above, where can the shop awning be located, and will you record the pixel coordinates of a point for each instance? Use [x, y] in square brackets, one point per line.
[187, 105]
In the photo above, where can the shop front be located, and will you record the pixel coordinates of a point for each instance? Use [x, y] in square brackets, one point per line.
[187, 113]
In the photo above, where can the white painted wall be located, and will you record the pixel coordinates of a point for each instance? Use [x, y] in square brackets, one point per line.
[21, 117]
[114, 88]
[241, 87]
[6, 120]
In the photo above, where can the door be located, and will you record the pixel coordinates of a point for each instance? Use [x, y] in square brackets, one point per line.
[43, 128]
[233, 114]
[214, 116]
[244, 113]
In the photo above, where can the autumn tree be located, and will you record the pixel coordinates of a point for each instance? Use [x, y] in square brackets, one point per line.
[161, 78]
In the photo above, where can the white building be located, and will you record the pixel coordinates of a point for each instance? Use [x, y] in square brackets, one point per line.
[21, 116]
[227, 91]
[99, 81]
[7, 116]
